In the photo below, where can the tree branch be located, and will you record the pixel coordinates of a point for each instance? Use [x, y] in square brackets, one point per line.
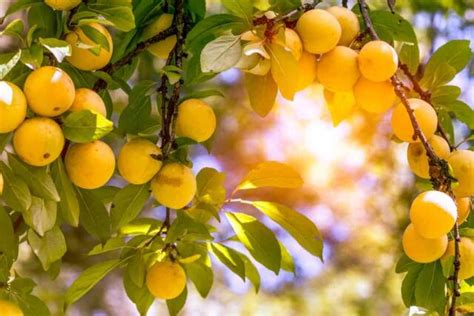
[439, 168]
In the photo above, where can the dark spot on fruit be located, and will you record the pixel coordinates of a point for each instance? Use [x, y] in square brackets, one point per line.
[56, 108]
[46, 156]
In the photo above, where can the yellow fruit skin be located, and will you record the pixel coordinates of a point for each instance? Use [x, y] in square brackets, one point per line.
[49, 91]
[307, 68]
[196, 120]
[319, 31]
[1, 184]
[349, 24]
[9, 309]
[466, 250]
[163, 48]
[341, 105]
[462, 162]
[90, 165]
[378, 61]
[38, 141]
[87, 99]
[293, 42]
[83, 58]
[464, 208]
[424, 114]
[374, 97]
[423, 250]
[433, 214]
[166, 280]
[12, 107]
[135, 162]
[417, 159]
[338, 70]
[174, 186]
[62, 5]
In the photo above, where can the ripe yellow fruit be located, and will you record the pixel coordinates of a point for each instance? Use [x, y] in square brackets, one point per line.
[349, 24]
[12, 107]
[433, 214]
[81, 57]
[38, 141]
[87, 99]
[49, 91]
[195, 120]
[417, 159]
[307, 69]
[464, 208]
[341, 105]
[338, 70]
[166, 280]
[319, 31]
[424, 114]
[163, 48]
[293, 42]
[90, 165]
[9, 309]
[466, 250]
[374, 97]
[135, 161]
[423, 250]
[1, 184]
[378, 61]
[462, 162]
[174, 186]
[62, 5]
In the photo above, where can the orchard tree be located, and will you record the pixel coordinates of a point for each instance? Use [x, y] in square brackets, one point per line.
[57, 120]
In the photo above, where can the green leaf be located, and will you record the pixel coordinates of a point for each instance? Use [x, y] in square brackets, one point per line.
[88, 279]
[119, 12]
[429, 290]
[297, 225]
[271, 174]
[47, 21]
[60, 49]
[85, 126]
[230, 258]
[445, 63]
[203, 94]
[221, 54]
[4, 140]
[445, 94]
[23, 285]
[138, 295]
[447, 123]
[8, 62]
[176, 305]
[20, 5]
[41, 216]
[32, 57]
[185, 227]
[8, 245]
[136, 269]
[240, 8]
[259, 240]
[68, 204]
[49, 248]
[96, 36]
[287, 263]
[112, 244]
[201, 275]
[251, 272]
[32, 306]
[94, 216]
[463, 112]
[138, 109]
[15, 191]
[127, 204]
[409, 285]
[38, 179]
[404, 264]
[210, 187]
[14, 28]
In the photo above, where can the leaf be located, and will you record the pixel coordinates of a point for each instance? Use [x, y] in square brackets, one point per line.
[85, 126]
[210, 187]
[259, 240]
[94, 216]
[465, 303]
[32, 306]
[138, 109]
[404, 264]
[201, 275]
[127, 204]
[15, 191]
[88, 279]
[20, 5]
[284, 70]
[4, 140]
[8, 244]
[221, 54]
[138, 295]
[287, 263]
[271, 174]
[262, 91]
[14, 28]
[185, 227]
[32, 57]
[463, 112]
[49, 248]
[429, 290]
[136, 269]
[445, 63]
[240, 8]
[8, 62]
[119, 12]
[38, 179]
[60, 49]
[47, 21]
[445, 94]
[230, 258]
[112, 244]
[409, 285]
[176, 305]
[297, 225]
[96, 36]
[41, 216]
[251, 273]
[203, 94]
[68, 204]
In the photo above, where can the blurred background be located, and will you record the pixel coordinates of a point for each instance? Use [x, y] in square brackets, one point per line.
[357, 190]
